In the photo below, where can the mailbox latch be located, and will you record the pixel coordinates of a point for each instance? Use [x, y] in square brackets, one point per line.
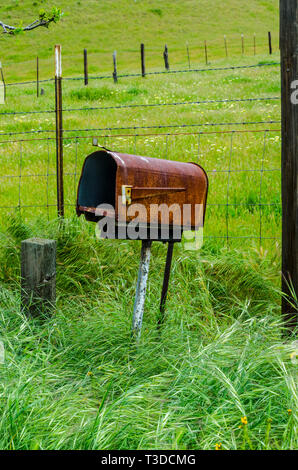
[126, 194]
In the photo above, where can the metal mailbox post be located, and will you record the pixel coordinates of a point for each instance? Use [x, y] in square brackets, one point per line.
[168, 196]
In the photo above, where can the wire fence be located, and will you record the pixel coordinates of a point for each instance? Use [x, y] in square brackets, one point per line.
[160, 72]
[228, 46]
[244, 195]
[144, 105]
[241, 157]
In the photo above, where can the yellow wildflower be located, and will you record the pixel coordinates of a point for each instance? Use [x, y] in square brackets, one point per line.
[289, 411]
[218, 446]
[243, 419]
[90, 373]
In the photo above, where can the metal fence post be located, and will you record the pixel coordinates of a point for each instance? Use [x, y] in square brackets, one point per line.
[59, 131]
[141, 288]
[289, 158]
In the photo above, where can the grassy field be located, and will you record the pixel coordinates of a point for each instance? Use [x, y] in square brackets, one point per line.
[123, 24]
[75, 380]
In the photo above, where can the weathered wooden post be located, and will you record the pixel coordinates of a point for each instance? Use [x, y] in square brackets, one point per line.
[59, 132]
[85, 67]
[38, 276]
[115, 67]
[166, 57]
[143, 60]
[289, 157]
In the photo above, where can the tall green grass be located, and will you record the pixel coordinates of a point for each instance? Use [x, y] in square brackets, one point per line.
[76, 381]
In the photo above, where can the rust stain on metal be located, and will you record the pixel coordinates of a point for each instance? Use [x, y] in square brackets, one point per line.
[121, 180]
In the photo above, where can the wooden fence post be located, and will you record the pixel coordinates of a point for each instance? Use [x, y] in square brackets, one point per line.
[37, 77]
[226, 45]
[115, 67]
[143, 60]
[206, 53]
[188, 58]
[38, 276]
[166, 57]
[85, 67]
[269, 42]
[59, 131]
[289, 163]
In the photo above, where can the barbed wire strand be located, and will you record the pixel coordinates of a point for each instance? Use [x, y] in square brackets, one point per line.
[162, 72]
[144, 105]
[151, 134]
[162, 126]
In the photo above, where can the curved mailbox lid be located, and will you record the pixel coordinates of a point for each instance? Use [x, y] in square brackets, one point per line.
[152, 181]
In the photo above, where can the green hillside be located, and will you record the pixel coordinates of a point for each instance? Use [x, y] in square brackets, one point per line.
[102, 26]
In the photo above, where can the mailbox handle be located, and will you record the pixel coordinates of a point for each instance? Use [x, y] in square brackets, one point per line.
[130, 193]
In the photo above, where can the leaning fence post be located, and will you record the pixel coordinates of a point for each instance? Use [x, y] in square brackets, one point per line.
[37, 77]
[269, 42]
[141, 288]
[143, 60]
[166, 57]
[38, 276]
[2, 87]
[115, 67]
[289, 158]
[59, 131]
[85, 67]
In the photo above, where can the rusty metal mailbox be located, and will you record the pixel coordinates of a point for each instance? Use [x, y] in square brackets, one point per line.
[116, 181]
[165, 194]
